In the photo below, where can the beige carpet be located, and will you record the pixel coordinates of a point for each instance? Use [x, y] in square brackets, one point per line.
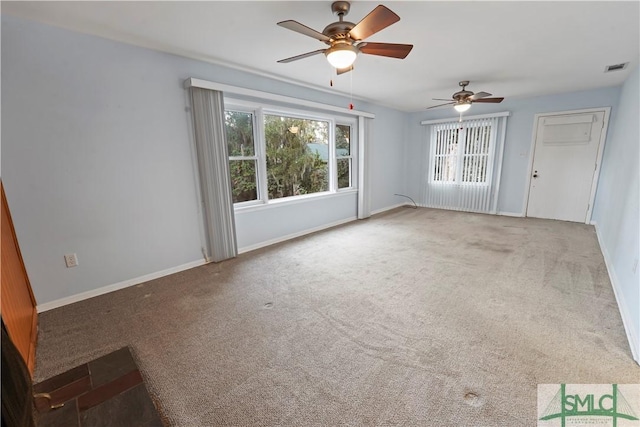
[415, 317]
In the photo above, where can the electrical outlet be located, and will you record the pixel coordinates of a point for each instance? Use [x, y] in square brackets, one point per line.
[71, 260]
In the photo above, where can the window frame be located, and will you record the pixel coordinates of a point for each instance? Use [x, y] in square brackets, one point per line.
[259, 110]
[460, 155]
[255, 157]
[352, 174]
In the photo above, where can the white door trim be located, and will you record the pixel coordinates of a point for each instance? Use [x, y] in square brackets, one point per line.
[596, 174]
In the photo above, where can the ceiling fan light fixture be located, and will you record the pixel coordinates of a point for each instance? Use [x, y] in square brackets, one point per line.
[341, 55]
[461, 108]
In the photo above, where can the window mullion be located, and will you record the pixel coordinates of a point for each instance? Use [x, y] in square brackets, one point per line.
[261, 151]
[332, 162]
[353, 155]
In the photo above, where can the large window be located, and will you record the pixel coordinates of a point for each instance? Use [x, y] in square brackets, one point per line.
[461, 154]
[275, 155]
[297, 156]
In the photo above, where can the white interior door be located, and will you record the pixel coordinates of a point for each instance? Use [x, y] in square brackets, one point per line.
[564, 163]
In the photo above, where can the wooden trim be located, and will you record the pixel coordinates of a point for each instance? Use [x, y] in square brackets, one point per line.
[31, 359]
[15, 239]
[29, 352]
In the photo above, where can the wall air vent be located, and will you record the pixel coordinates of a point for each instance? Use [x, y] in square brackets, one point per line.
[615, 67]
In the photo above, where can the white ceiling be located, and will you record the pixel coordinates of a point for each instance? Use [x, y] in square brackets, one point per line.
[511, 49]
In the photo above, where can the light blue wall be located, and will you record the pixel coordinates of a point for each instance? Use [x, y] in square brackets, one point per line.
[268, 225]
[387, 151]
[517, 146]
[97, 159]
[617, 212]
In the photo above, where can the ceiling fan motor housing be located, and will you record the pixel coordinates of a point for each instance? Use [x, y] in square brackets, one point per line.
[338, 30]
[462, 95]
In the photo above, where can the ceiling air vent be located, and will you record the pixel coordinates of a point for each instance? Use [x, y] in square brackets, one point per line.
[615, 67]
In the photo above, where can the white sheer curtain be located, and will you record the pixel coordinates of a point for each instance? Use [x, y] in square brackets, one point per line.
[215, 180]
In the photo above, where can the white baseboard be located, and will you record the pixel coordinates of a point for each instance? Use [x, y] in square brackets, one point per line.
[116, 286]
[294, 235]
[388, 208]
[629, 328]
[515, 214]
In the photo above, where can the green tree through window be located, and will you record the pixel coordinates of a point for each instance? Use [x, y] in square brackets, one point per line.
[291, 156]
[343, 155]
[242, 155]
[297, 156]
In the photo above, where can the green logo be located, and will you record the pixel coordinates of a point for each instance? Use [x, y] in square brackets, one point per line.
[588, 401]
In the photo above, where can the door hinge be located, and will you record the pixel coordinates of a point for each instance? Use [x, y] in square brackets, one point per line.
[595, 167]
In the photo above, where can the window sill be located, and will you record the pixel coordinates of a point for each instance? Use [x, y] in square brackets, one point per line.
[293, 200]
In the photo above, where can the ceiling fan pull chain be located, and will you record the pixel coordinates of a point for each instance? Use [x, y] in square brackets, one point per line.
[351, 91]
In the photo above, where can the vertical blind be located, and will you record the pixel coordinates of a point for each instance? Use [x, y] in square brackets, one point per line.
[215, 179]
[364, 181]
[462, 164]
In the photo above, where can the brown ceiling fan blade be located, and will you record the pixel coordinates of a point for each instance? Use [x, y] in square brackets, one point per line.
[391, 50]
[490, 100]
[441, 105]
[441, 99]
[479, 95]
[378, 19]
[303, 29]
[304, 55]
[344, 70]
